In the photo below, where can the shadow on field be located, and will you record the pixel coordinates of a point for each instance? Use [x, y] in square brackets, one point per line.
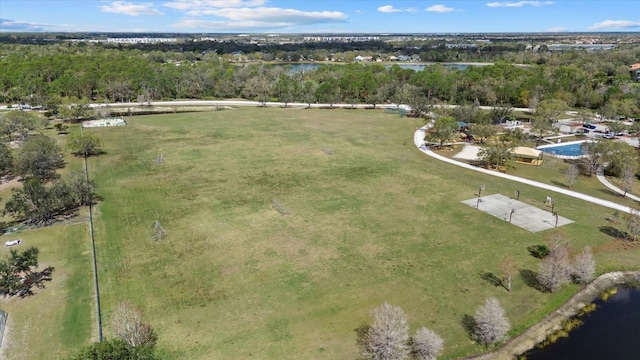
[361, 337]
[468, 324]
[531, 279]
[614, 232]
[491, 278]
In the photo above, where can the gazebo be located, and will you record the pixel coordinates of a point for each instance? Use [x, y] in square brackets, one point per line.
[527, 155]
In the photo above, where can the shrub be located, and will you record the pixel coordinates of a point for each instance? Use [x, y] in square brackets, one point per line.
[539, 251]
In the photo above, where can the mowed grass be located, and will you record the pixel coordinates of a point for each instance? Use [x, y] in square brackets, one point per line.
[377, 221]
[58, 319]
[61, 317]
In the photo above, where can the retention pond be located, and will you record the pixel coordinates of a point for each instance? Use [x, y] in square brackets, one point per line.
[609, 332]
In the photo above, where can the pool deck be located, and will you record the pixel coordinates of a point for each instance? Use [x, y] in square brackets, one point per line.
[561, 144]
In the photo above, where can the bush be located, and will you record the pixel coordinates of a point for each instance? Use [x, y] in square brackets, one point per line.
[539, 251]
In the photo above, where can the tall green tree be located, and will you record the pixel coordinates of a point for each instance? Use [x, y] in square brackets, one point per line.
[38, 158]
[444, 129]
[496, 154]
[84, 143]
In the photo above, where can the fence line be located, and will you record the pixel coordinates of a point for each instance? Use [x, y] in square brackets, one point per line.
[93, 253]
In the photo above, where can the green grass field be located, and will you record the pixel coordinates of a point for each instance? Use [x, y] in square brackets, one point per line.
[377, 221]
[60, 318]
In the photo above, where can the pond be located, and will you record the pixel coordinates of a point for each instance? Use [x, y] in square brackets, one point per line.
[609, 332]
[302, 67]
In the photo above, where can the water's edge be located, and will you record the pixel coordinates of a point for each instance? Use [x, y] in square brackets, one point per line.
[553, 322]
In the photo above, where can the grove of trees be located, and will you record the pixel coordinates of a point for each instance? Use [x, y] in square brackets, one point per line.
[388, 337]
[56, 75]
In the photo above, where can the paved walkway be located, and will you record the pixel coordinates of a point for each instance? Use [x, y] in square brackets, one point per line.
[605, 182]
[418, 139]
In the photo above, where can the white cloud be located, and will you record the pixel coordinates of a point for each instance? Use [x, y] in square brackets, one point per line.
[518, 3]
[277, 15]
[388, 9]
[261, 17]
[391, 9]
[194, 5]
[615, 24]
[128, 8]
[247, 14]
[439, 8]
[17, 25]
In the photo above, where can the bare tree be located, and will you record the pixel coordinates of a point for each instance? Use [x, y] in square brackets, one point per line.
[572, 173]
[628, 177]
[555, 268]
[427, 345]
[584, 266]
[492, 324]
[508, 270]
[159, 232]
[128, 325]
[633, 223]
[160, 159]
[387, 338]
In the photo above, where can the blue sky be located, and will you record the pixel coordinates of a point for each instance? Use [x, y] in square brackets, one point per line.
[323, 16]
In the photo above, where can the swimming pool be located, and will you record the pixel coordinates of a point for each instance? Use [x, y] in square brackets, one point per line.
[571, 149]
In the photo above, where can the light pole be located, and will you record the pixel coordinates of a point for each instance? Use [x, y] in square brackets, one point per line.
[556, 215]
[511, 215]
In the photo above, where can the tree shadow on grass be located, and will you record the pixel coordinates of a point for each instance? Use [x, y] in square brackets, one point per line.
[361, 337]
[614, 232]
[491, 278]
[531, 279]
[35, 279]
[469, 324]
[560, 184]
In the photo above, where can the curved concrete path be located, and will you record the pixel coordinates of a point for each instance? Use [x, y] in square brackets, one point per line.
[418, 139]
[605, 182]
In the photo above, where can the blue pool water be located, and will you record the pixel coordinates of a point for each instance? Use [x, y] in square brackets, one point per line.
[569, 149]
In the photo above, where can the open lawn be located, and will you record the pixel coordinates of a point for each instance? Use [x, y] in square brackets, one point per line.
[375, 222]
[60, 318]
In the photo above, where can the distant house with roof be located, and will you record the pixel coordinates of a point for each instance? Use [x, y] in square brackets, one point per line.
[634, 71]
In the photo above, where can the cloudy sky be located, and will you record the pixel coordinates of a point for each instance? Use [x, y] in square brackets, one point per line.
[308, 16]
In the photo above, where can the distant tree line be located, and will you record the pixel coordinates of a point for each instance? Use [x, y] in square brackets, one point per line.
[57, 74]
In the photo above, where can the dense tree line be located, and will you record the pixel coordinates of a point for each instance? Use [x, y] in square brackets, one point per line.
[51, 75]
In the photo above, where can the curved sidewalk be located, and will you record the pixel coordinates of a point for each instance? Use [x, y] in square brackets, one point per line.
[418, 139]
[605, 182]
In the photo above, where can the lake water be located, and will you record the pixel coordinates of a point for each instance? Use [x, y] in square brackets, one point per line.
[413, 66]
[610, 332]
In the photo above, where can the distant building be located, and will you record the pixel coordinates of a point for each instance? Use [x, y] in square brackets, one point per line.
[634, 71]
[588, 47]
